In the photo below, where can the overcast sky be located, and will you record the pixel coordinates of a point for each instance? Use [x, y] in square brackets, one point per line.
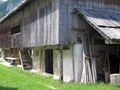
[3, 0]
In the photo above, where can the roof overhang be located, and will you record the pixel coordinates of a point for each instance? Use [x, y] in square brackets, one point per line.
[104, 22]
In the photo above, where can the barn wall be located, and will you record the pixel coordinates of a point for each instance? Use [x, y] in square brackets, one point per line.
[42, 60]
[109, 5]
[36, 59]
[56, 64]
[50, 22]
[67, 65]
[72, 63]
[5, 27]
[1, 40]
[39, 22]
[71, 22]
[78, 61]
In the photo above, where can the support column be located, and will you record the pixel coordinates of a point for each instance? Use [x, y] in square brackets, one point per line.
[2, 53]
[21, 60]
[61, 62]
[73, 63]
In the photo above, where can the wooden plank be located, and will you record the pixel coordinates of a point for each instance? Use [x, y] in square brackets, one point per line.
[38, 21]
[55, 22]
[61, 63]
[21, 60]
[33, 24]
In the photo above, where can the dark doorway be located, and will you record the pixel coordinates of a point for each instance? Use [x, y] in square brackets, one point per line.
[49, 61]
[114, 64]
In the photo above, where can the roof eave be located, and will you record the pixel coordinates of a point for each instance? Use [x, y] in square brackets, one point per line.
[13, 11]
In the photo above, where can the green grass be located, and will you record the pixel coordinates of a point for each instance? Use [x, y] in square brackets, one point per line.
[13, 78]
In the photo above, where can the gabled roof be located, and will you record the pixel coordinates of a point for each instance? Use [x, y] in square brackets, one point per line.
[105, 22]
[17, 8]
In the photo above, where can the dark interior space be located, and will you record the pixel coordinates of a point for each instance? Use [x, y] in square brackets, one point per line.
[114, 63]
[15, 30]
[108, 63]
[49, 61]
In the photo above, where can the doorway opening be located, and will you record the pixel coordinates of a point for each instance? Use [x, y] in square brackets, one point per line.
[49, 61]
[114, 64]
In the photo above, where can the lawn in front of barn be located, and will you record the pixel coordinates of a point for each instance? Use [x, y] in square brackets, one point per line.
[12, 78]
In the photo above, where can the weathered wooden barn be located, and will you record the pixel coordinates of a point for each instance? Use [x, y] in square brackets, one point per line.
[75, 40]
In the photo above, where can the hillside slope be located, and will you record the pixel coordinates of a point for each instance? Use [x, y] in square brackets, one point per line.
[6, 6]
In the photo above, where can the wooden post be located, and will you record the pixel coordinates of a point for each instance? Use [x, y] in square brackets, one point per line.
[91, 57]
[73, 63]
[107, 72]
[2, 53]
[61, 63]
[83, 77]
[21, 60]
[93, 69]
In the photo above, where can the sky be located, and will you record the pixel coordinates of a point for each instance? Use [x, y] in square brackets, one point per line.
[3, 0]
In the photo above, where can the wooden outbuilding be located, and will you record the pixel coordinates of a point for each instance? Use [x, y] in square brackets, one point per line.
[75, 40]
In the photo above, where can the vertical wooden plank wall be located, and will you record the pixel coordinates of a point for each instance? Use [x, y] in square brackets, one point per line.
[49, 22]
[66, 18]
[110, 5]
[40, 24]
[39, 21]
[63, 21]
[25, 27]
[5, 34]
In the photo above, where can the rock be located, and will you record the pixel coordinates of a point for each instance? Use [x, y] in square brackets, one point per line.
[115, 79]
[19, 66]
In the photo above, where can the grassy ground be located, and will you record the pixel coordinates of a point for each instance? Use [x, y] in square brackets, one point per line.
[15, 79]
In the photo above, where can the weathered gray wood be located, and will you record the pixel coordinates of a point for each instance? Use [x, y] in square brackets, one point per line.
[2, 53]
[73, 63]
[92, 60]
[21, 60]
[51, 21]
[39, 22]
[61, 63]
[78, 61]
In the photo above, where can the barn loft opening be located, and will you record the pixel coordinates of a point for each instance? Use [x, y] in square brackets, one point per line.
[15, 30]
[49, 61]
